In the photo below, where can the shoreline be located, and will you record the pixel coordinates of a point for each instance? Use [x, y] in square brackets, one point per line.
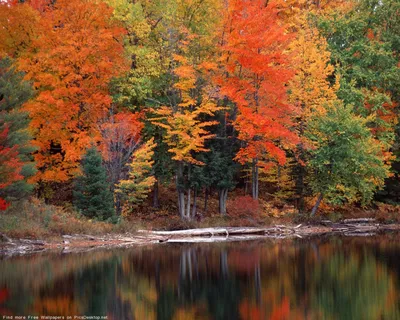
[83, 242]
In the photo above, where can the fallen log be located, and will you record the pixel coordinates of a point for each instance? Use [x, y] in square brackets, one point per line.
[364, 234]
[359, 220]
[5, 238]
[32, 242]
[71, 243]
[199, 239]
[210, 232]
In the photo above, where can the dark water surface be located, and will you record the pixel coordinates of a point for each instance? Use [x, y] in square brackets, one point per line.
[329, 278]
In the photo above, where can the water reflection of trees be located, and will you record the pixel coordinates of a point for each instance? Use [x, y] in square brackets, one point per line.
[335, 279]
[43, 283]
[309, 280]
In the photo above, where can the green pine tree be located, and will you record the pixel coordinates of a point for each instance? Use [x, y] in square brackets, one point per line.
[14, 92]
[92, 194]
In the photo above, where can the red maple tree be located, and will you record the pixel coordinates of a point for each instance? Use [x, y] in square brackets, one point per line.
[255, 74]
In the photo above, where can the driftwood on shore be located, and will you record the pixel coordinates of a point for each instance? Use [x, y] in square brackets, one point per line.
[81, 242]
[218, 233]
[349, 227]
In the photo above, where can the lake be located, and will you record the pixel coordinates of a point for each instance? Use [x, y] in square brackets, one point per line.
[321, 278]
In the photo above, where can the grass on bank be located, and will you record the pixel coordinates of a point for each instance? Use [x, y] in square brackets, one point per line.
[35, 219]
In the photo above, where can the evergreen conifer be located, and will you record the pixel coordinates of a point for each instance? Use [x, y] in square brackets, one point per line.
[14, 92]
[92, 194]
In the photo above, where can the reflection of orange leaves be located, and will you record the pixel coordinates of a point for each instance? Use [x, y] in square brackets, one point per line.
[198, 312]
[281, 311]
[249, 311]
[62, 305]
[244, 261]
[4, 294]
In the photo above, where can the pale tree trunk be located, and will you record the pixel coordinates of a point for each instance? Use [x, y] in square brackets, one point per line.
[186, 211]
[254, 179]
[181, 192]
[188, 204]
[194, 208]
[315, 208]
[189, 201]
[225, 199]
[223, 196]
[181, 203]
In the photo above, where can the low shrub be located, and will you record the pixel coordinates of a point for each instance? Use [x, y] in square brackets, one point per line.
[244, 206]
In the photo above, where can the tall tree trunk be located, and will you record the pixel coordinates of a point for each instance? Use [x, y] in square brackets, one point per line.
[188, 204]
[254, 179]
[194, 208]
[300, 187]
[226, 198]
[301, 172]
[156, 202]
[189, 201]
[181, 203]
[223, 195]
[315, 208]
[205, 199]
[181, 192]
[221, 205]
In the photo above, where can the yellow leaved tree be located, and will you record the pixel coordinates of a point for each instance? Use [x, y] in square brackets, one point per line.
[310, 90]
[135, 189]
[185, 125]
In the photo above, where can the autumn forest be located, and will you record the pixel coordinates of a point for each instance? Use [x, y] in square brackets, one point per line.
[116, 110]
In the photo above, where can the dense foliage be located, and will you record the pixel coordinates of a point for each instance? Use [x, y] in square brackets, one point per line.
[293, 101]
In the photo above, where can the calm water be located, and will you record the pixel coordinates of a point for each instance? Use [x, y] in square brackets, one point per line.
[330, 278]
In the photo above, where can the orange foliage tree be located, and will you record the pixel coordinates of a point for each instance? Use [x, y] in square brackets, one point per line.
[254, 78]
[18, 25]
[75, 54]
[120, 134]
